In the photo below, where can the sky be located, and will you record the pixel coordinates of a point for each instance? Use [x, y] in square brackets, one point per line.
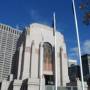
[21, 13]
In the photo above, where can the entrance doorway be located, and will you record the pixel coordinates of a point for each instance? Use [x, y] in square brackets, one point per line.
[49, 79]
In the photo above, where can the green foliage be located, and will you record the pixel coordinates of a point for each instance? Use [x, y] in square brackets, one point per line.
[85, 7]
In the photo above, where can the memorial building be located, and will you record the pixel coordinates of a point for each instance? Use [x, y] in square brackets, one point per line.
[36, 65]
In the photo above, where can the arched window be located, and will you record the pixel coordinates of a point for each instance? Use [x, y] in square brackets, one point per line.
[47, 56]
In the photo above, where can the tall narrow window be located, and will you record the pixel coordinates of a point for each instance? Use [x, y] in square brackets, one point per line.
[47, 57]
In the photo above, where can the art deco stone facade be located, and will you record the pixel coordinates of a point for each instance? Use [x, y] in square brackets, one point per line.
[36, 64]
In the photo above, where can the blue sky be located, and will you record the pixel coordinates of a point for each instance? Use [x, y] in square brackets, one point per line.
[24, 12]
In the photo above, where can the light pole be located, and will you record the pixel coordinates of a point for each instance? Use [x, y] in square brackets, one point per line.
[78, 40]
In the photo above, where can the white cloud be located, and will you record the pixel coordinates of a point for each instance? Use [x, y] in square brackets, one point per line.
[86, 47]
[73, 53]
[75, 49]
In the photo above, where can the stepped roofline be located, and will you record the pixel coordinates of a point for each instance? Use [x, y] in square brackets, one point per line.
[45, 26]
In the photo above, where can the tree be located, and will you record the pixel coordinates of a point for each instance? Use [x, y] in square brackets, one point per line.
[85, 6]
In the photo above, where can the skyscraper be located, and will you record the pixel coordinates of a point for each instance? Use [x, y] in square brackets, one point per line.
[8, 43]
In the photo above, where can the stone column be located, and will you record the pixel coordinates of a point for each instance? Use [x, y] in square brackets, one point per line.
[20, 61]
[65, 78]
[26, 61]
[34, 62]
[17, 82]
[61, 73]
[33, 81]
[42, 82]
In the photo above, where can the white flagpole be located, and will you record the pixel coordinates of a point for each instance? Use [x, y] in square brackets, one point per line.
[55, 50]
[79, 49]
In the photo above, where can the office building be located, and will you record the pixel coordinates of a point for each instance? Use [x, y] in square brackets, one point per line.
[72, 62]
[8, 43]
[86, 64]
[74, 73]
[86, 68]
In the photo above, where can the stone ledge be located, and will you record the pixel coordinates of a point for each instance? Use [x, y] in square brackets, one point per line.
[32, 81]
[17, 82]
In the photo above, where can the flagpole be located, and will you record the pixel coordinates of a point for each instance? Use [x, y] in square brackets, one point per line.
[79, 49]
[55, 50]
